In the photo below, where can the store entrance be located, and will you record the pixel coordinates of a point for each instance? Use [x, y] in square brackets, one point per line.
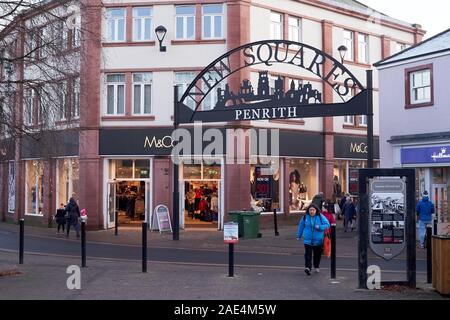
[130, 201]
[201, 204]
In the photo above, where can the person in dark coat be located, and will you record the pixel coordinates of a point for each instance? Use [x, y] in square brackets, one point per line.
[349, 211]
[60, 218]
[318, 200]
[73, 215]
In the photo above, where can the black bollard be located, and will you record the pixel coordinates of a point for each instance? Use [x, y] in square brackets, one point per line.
[231, 260]
[429, 254]
[435, 224]
[21, 240]
[116, 223]
[144, 247]
[275, 222]
[333, 251]
[83, 244]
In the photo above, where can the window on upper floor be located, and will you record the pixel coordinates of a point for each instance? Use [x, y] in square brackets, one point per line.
[76, 98]
[142, 24]
[400, 47]
[211, 99]
[182, 81]
[348, 42]
[362, 121]
[76, 37]
[276, 26]
[29, 107]
[420, 82]
[44, 39]
[115, 94]
[363, 48]
[349, 120]
[212, 21]
[115, 20]
[185, 22]
[295, 29]
[142, 93]
[61, 94]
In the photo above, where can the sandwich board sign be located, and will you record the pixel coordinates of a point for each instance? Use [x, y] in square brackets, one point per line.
[161, 219]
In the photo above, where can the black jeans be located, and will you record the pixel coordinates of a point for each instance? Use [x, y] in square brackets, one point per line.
[309, 250]
[75, 226]
[61, 224]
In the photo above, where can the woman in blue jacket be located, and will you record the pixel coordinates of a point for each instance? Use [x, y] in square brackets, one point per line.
[312, 227]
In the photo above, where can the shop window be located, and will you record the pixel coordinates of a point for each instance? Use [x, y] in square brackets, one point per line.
[192, 171]
[142, 169]
[302, 181]
[129, 169]
[265, 187]
[124, 169]
[207, 170]
[67, 180]
[34, 187]
[11, 187]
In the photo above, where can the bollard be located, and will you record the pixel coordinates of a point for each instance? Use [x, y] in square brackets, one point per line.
[231, 260]
[275, 222]
[333, 251]
[116, 223]
[435, 224]
[21, 240]
[429, 253]
[83, 244]
[144, 247]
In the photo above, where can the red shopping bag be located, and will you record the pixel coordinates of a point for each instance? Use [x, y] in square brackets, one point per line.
[327, 246]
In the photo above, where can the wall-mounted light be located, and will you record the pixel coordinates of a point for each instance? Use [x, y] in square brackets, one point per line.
[342, 52]
[161, 34]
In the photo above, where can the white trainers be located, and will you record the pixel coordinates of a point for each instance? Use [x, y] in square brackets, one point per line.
[317, 270]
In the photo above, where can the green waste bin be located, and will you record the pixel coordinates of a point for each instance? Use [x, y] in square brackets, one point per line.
[236, 216]
[250, 222]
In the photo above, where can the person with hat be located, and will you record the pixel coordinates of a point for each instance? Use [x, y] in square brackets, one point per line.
[424, 210]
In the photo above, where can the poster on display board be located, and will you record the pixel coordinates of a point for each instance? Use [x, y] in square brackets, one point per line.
[160, 219]
[387, 216]
[231, 233]
[353, 182]
[263, 183]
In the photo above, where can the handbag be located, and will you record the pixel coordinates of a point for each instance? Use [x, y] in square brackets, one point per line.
[327, 246]
[337, 209]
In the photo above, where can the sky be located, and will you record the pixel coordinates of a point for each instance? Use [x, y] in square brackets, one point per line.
[431, 14]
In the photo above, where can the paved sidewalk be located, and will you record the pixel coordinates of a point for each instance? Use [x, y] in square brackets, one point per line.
[45, 277]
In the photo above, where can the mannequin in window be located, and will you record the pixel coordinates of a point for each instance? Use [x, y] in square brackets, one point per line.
[337, 189]
[294, 188]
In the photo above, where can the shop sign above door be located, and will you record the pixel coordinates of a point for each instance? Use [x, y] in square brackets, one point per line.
[437, 154]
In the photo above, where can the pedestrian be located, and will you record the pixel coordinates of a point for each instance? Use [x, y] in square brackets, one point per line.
[349, 211]
[60, 218]
[327, 212]
[318, 200]
[73, 216]
[312, 227]
[424, 210]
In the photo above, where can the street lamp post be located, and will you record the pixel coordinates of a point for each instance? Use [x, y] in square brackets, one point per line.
[342, 52]
[161, 34]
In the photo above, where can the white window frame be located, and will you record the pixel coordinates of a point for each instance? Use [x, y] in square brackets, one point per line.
[182, 87]
[36, 184]
[275, 24]
[29, 107]
[116, 25]
[213, 22]
[295, 29]
[62, 100]
[75, 110]
[116, 86]
[141, 20]
[362, 121]
[413, 88]
[349, 43]
[363, 46]
[11, 187]
[349, 120]
[142, 85]
[185, 23]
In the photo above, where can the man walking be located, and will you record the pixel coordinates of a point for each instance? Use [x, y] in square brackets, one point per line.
[424, 210]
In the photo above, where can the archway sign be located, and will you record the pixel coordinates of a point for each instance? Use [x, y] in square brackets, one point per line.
[259, 102]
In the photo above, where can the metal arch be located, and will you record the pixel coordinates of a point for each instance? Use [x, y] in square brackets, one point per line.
[288, 42]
